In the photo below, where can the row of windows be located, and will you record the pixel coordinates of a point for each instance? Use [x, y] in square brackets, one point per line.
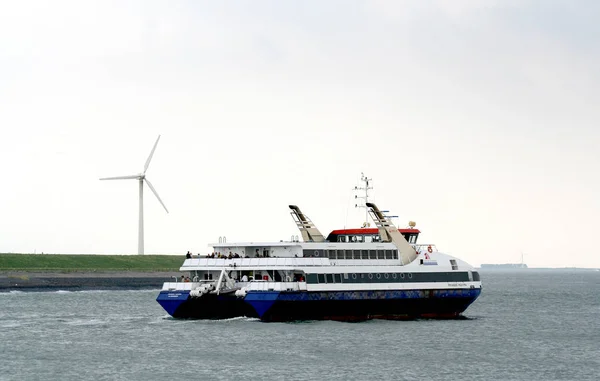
[352, 254]
[393, 277]
[359, 238]
[337, 278]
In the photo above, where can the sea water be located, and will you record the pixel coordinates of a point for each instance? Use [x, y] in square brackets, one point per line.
[526, 325]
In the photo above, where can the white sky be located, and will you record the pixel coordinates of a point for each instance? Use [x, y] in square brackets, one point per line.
[477, 119]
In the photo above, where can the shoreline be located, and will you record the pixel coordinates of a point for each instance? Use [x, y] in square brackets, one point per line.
[83, 280]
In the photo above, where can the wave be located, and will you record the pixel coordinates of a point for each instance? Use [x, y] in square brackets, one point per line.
[85, 322]
[10, 324]
[13, 292]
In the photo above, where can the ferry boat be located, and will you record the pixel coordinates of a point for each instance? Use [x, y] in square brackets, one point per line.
[350, 275]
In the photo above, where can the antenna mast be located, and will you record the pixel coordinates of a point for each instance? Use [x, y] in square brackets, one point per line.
[365, 188]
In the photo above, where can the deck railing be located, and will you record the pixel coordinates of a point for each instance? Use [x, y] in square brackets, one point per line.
[253, 262]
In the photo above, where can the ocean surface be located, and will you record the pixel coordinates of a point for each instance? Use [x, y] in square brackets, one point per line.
[526, 325]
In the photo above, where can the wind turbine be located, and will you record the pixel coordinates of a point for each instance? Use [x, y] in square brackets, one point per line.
[141, 177]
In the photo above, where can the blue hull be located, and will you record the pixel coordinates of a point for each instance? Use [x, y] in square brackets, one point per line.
[179, 304]
[360, 305]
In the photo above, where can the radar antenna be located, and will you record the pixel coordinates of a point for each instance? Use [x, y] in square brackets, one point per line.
[365, 188]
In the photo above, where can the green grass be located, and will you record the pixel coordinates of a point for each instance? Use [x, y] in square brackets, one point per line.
[84, 262]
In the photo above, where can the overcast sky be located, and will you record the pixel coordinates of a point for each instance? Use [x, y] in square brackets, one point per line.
[479, 120]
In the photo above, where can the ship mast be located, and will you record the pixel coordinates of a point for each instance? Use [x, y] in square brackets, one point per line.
[365, 188]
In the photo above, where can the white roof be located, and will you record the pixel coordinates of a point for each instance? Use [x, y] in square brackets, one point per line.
[255, 244]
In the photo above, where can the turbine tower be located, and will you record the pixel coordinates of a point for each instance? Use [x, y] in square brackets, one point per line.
[141, 177]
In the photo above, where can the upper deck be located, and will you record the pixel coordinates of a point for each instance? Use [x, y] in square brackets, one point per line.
[348, 240]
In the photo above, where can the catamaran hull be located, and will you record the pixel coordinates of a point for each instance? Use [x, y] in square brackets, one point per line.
[361, 305]
[179, 304]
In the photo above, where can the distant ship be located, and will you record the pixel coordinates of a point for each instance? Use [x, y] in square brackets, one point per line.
[503, 266]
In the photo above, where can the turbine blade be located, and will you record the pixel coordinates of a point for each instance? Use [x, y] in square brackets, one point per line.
[151, 154]
[156, 194]
[121, 177]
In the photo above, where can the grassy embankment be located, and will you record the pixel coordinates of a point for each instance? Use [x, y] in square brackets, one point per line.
[89, 263]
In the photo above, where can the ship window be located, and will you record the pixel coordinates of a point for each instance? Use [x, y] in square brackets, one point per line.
[376, 238]
[388, 254]
[329, 278]
[380, 254]
[348, 254]
[365, 254]
[372, 254]
[345, 275]
[402, 275]
[353, 276]
[378, 276]
[453, 264]
[370, 276]
[395, 254]
[321, 278]
[331, 254]
[362, 276]
[337, 278]
[368, 239]
[386, 275]
[394, 275]
[360, 238]
[341, 238]
[356, 254]
[409, 276]
[476, 276]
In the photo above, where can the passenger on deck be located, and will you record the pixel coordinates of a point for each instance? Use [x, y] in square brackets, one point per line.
[187, 279]
[236, 255]
[182, 278]
[188, 255]
[301, 278]
[257, 254]
[230, 255]
[245, 278]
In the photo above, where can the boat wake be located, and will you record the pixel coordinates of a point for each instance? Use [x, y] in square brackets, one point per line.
[212, 321]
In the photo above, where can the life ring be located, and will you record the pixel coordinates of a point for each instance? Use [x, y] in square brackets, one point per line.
[316, 253]
[429, 249]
